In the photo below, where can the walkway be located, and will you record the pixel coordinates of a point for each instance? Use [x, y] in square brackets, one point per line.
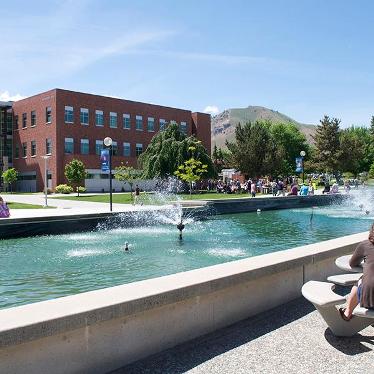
[66, 207]
[292, 338]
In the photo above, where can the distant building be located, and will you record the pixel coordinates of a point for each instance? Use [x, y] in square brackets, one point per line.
[66, 125]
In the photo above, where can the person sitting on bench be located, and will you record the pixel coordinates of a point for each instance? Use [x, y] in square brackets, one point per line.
[363, 293]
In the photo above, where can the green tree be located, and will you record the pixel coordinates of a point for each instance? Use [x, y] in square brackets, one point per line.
[10, 176]
[357, 152]
[286, 143]
[327, 144]
[75, 173]
[168, 150]
[371, 171]
[250, 148]
[191, 170]
[124, 173]
[372, 128]
[218, 158]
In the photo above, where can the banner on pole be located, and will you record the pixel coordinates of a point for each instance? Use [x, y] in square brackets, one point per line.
[299, 164]
[104, 159]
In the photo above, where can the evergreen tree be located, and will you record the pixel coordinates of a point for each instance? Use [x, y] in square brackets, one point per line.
[327, 144]
[250, 148]
[372, 128]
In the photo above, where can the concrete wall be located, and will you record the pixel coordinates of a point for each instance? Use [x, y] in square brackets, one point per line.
[229, 206]
[98, 331]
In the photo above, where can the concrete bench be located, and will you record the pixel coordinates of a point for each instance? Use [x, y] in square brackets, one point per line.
[327, 302]
[345, 279]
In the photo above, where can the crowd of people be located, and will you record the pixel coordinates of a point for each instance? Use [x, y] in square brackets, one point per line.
[277, 187]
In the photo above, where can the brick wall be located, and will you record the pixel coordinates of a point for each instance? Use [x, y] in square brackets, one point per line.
[201, 127]
[58, 129]
[39, 134]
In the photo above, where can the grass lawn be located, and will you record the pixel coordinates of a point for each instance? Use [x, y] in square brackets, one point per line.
[26, 206]
[125, 198]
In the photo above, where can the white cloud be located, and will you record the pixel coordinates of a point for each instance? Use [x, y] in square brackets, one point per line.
[211, 109]
[6, 96]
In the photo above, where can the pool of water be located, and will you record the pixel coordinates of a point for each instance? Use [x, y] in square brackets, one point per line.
[46, 267]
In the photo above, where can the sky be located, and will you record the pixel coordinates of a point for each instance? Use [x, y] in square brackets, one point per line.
[303, 58]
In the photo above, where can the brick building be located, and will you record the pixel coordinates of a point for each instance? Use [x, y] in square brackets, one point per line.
[66, 125]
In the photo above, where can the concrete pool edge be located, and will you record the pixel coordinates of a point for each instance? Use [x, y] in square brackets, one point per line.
[69, 222]
[90, 331]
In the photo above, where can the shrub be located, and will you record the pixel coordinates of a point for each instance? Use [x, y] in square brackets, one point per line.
[81, 189]
[63, 188]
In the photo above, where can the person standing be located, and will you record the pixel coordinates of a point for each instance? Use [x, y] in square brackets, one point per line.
[311, 189]
[253, 188]
[137, 194]
[280, 187]
[274, 188]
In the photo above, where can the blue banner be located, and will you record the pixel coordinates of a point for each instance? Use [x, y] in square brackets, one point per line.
[104, 159]
[299, 164]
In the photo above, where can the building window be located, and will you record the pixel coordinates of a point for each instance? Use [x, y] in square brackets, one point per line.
[151, 124]
[16, 122]
[24, 120]
[183, 127]
[84, 116]
[16, 151]
[114, 149]
[69, 145]
[48, 146]
[69, 114]
[126, 149]
[162, 124]
[24, 150]
[138, 149]
[113, 120]
[85, 146]
[33, 148]
[99, 118]
[48, 114]
[33, 118]
[139, 123]
[98, 147]
[126, 121]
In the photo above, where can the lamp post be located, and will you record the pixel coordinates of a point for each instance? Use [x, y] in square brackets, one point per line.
[108, 143]
[46, 157]
[302, 154]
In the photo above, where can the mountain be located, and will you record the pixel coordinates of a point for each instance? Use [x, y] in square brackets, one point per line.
[224, 124]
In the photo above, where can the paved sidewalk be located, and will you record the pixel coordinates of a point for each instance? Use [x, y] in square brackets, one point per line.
[67, 207]
[291, 338]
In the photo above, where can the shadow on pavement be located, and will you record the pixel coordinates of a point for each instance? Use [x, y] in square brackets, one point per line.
[350, 345]
[189, 355]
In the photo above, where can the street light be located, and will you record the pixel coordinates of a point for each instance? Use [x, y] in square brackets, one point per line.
[46, 157]
[108, 143]
[302, 154]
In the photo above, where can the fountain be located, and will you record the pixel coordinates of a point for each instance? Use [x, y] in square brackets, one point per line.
[180, 227]
[44, 267]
